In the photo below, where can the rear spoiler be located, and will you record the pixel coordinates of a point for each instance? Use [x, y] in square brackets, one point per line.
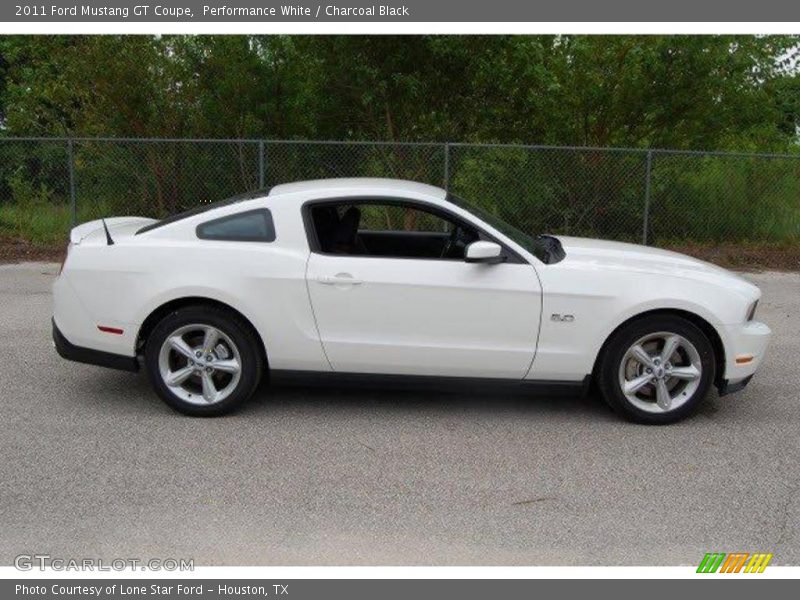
[107, 226]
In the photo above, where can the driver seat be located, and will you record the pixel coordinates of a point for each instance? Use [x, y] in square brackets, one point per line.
[345, 239]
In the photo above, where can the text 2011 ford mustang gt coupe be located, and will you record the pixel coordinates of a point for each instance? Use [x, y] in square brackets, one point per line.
[375, 277]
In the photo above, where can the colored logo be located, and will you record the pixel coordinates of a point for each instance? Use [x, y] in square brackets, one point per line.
[734, 562]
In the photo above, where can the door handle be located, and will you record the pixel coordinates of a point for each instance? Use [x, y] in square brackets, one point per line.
[339, 279]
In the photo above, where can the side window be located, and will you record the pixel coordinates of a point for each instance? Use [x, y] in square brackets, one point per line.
[248, 226]
[394, 217]
[390, 230]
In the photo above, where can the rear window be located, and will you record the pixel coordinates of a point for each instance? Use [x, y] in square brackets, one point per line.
[198, 210]
[249, 226]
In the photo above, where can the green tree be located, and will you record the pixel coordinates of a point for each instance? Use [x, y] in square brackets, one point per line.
[671, 91]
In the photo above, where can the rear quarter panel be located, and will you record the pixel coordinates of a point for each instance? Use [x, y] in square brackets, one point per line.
[120, 285]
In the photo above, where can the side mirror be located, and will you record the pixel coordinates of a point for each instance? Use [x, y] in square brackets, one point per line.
[484, 252]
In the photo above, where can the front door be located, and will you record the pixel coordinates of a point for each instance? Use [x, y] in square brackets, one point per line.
[427, 313]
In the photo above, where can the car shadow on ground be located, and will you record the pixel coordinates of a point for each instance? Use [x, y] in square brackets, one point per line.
[132, 392]
[421, 397]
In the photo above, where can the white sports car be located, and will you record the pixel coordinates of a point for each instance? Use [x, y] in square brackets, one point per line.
[377, 278]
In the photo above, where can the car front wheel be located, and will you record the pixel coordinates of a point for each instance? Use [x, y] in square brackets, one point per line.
[657, 370]
[203, 361]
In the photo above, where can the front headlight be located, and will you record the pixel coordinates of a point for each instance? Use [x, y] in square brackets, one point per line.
[751, 312]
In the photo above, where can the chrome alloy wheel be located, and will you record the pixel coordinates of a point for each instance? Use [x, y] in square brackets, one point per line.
[660, 372]
[200, 364]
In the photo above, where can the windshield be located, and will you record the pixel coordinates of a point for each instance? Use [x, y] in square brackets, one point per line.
[530, 243]
[203, 208]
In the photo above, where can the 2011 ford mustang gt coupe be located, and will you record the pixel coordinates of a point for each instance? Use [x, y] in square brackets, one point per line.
[371, 278]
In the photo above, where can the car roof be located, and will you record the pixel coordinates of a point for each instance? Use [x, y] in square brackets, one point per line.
[324, 188]
[359, 185]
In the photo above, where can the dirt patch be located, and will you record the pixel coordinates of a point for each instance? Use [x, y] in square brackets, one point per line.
[15, 250]
[745, 256]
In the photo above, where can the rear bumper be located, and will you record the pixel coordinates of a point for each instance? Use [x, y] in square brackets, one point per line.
[92, 357]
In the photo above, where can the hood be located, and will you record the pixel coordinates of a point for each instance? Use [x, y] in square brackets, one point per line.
[619, 256]
[120, 228]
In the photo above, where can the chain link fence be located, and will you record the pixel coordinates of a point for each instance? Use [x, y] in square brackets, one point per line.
[657, 197]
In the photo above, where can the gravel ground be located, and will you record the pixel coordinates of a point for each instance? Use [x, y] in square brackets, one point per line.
[95, 465]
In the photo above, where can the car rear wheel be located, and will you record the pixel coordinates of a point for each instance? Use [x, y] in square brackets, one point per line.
[203, 361]
[657, 370]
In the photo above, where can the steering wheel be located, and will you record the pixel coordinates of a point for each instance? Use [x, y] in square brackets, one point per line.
[450, 243]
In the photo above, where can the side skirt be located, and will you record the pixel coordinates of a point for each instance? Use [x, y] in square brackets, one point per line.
[429, 382]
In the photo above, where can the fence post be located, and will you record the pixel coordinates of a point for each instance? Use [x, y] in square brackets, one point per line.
[261, 164]
[73, 205]
[447, 166]
[647, 184]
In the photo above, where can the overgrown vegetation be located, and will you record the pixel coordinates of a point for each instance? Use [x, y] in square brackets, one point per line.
[685, 92]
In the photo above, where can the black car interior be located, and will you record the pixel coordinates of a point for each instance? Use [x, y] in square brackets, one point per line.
[340, 229]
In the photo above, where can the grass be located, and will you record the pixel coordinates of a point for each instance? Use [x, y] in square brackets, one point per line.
[39, 225]
[42, 224]
[40, 229]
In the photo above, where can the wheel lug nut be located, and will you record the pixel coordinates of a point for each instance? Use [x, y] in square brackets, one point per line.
[209, 369]
[198, 354]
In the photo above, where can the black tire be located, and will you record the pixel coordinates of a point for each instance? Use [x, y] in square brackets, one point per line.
[622, 339]
[230, 324]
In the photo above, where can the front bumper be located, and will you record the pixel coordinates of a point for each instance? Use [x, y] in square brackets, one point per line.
[726, 387]
[92, 357]
[745, 347]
